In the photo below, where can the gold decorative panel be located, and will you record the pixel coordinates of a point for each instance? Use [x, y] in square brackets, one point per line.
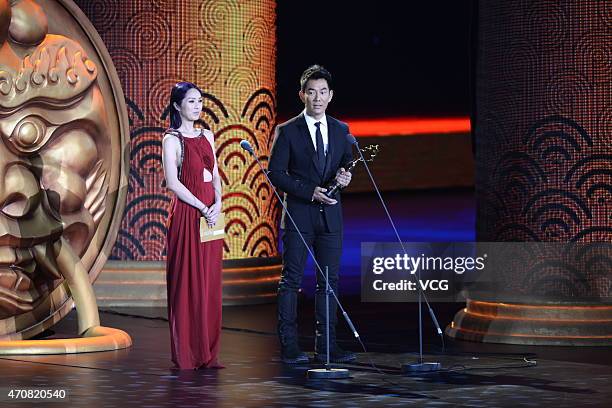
[63, 176]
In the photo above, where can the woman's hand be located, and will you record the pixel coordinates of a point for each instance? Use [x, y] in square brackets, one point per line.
[204, 211]
[213, 213]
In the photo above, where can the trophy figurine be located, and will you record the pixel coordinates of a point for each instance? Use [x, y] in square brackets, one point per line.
[369, 153]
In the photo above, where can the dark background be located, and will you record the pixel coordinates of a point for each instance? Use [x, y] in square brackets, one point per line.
[387, 58]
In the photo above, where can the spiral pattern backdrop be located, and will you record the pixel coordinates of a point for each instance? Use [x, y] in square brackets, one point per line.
[544, 173]
[228, 48]
[544, 164]
[543, 146]
[543, 121]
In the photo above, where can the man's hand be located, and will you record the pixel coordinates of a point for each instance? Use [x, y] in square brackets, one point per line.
[213, 213]
[343, 177]
[319, 197]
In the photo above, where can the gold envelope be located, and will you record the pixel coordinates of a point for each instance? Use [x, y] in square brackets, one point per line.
[212, 233]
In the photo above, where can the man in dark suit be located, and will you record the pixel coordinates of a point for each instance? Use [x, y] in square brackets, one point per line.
[310, 151]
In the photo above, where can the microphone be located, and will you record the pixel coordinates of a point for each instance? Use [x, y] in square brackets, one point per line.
[421, 366]
[351, 139]
[247, 146]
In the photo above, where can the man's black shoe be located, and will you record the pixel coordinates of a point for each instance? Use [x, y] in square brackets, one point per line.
[337, 355]
[293, 355]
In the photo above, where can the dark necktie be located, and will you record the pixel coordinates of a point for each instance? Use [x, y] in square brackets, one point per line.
[320, 149]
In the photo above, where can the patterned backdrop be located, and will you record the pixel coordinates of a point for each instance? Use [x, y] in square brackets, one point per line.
[543, 134]
[228, 48]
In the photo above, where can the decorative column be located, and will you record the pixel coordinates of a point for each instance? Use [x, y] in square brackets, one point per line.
[228, 48]
[543, 125]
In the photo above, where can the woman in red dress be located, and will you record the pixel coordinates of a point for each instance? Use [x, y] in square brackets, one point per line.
[193, 268]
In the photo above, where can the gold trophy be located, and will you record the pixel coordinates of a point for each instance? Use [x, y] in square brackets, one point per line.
[63, 181]
[369, 153]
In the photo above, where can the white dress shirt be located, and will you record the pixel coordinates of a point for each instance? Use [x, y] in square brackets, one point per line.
[310, 122]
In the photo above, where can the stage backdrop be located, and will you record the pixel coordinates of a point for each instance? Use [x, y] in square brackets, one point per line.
[227, 48]
[543, 121]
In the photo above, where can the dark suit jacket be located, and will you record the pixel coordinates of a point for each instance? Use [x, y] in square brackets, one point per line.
[292, 169]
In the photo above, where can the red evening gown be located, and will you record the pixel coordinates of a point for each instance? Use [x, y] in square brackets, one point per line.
[193, 269]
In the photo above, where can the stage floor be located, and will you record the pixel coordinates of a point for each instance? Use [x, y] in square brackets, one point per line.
[475, 375]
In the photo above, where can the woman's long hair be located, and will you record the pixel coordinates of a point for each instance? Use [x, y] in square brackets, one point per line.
[177, 95]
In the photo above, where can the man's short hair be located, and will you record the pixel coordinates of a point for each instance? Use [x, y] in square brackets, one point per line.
[315, 72]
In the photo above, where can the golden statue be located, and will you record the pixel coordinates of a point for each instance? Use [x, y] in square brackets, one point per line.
[62, 175]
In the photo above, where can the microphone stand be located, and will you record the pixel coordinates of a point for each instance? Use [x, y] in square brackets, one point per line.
[421, 366]
[327, 372]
